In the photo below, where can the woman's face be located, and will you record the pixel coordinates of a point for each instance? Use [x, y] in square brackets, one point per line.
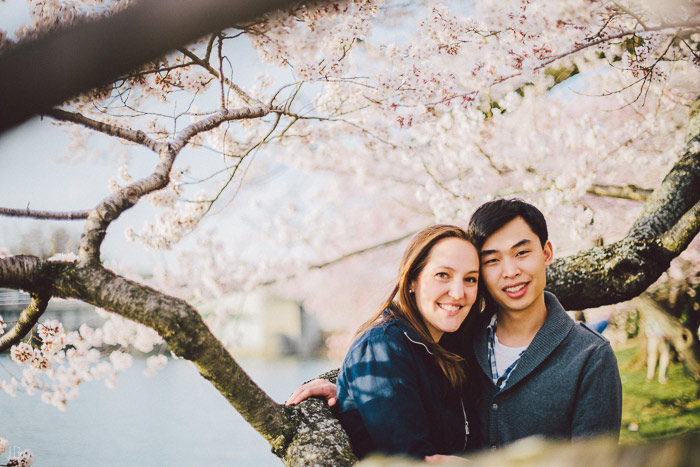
[446, 288]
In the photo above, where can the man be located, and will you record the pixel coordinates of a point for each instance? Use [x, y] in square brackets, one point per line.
[535, 371]
[538, 372]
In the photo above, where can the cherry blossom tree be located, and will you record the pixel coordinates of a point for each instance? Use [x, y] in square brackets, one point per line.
[385, 117]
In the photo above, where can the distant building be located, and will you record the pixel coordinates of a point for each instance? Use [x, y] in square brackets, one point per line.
[72, 313]
[256, 323]
[263, 323]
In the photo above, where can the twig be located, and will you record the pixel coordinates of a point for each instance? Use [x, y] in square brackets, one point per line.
[50, 215]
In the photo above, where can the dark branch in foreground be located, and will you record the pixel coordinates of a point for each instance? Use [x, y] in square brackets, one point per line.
[52, 69]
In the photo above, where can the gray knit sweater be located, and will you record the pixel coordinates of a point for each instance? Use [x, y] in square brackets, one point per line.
[566, 385]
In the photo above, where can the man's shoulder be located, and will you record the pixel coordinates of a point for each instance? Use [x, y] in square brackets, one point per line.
[592, 334]
[586, 341]
[579, 331]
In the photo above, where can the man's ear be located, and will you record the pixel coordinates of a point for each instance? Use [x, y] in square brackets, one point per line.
[548, 253]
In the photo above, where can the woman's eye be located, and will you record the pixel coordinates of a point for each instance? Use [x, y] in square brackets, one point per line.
[441, 275]
[471, 280]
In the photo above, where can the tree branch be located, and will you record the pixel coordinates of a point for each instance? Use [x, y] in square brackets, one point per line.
[187, 336]
[127, 134]
[215, 120]
[631, 192]
[27, 319]
[677, 239]
[295, 433]
[25, 272]
[624, 269]
[48, 215]
[112, 207]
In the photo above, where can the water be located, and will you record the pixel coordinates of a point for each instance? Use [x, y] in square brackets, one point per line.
[176, 418]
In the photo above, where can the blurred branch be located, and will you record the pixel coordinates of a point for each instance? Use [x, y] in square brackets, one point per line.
[41, 73]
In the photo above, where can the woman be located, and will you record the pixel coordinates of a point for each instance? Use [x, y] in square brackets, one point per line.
[399, 391]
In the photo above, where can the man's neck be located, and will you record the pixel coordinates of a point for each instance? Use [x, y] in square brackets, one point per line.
[518, 328]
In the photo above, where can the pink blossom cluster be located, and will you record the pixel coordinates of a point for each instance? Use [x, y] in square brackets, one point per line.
[64, 360]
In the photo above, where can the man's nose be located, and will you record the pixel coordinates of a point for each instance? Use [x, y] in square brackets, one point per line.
[510, 268]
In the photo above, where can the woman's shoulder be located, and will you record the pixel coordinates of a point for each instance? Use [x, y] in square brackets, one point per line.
[393, 335]
[390, 327]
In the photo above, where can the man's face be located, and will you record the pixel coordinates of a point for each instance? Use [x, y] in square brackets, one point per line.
[513, 267]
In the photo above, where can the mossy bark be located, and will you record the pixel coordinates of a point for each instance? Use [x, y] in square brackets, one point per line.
[624, 269]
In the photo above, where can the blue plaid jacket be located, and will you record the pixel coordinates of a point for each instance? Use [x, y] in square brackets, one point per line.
[394, 399]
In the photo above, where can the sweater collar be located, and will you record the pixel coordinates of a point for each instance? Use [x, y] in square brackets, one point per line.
[554, 330]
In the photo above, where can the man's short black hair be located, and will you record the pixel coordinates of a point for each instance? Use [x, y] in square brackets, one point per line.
[493, 215]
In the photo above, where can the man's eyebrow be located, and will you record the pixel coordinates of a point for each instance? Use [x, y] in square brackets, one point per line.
[522, 242]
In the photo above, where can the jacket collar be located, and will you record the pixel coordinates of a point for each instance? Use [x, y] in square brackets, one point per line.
[556, 327]
[406, 329]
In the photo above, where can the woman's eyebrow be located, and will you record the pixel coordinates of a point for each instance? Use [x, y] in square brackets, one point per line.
[475, 271]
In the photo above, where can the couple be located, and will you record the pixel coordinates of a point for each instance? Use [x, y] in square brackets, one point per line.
[470, 352]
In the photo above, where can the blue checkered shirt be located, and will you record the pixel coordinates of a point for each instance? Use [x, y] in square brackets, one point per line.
[499, 382]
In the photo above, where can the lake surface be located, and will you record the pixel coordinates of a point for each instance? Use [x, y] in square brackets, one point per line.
[176, 418]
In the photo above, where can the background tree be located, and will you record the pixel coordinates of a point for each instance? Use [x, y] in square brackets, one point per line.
[380, 118]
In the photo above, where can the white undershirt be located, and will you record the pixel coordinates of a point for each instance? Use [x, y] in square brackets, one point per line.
[505, 356]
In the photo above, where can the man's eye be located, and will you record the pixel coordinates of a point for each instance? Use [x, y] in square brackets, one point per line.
[490, 261]
[523, 252]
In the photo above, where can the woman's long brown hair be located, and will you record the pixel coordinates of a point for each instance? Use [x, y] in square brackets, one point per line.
[402, 303]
